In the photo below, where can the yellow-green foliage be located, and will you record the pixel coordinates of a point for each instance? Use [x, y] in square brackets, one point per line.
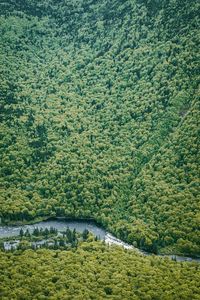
[95, 271]
[99, 109]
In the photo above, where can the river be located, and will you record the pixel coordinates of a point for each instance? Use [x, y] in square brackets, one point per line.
[79, 225]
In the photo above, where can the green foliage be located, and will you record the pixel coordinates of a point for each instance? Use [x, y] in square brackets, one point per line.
[99, 110]
[46, 238]
[95, 271]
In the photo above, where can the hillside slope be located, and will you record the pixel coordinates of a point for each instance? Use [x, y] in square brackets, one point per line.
[99, 109]
[95, 271]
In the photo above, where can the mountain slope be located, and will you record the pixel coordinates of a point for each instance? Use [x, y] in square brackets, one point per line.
[99, 107]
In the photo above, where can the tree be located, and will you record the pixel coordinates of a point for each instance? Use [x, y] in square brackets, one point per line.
[21, 233]
[85, 234]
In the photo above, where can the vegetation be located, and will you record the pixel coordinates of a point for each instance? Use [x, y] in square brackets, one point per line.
[99, 108]
[46, 238]
[95, 271]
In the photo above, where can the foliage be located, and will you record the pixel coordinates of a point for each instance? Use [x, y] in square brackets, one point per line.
[99, 108]
[95, 271]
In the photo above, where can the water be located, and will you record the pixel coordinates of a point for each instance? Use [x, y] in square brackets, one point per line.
[80, 226]
[60, 225]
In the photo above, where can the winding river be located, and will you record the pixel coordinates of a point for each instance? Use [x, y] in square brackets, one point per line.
[79, 225]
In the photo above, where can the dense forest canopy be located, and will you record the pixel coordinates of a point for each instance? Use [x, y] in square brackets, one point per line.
[94, 271]
[100, 116]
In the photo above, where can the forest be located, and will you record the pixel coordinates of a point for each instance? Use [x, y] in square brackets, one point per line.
[99, 110]
[94, 271]
[100, 117]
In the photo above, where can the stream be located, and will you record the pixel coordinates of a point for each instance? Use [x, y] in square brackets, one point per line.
[80, 225]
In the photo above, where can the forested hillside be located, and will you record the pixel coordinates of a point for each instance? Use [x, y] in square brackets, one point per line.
[94, 271]
[100, 117]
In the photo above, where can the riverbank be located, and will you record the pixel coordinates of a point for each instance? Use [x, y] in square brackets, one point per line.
[43, 219]
[61, 223]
